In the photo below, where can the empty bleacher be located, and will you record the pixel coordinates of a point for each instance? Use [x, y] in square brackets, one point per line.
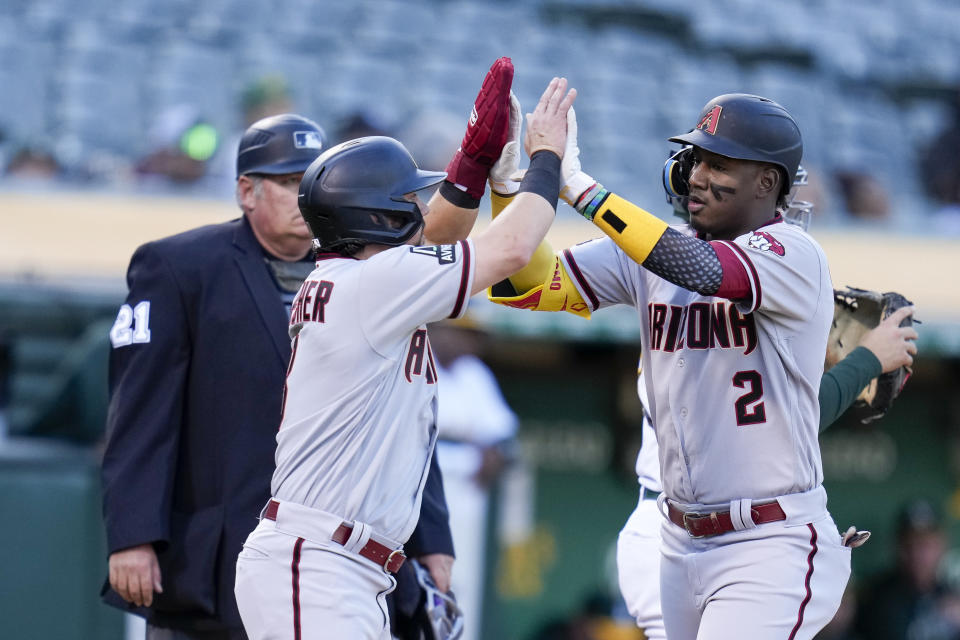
[869, 81]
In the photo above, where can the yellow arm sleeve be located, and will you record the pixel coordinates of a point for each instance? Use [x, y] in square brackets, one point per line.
[554, 292]
[541, 263]
[633, 229]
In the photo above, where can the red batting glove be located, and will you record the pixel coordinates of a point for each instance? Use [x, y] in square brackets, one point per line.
[486, 131]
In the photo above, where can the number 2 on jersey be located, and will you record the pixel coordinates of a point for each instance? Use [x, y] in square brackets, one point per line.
[746, 414]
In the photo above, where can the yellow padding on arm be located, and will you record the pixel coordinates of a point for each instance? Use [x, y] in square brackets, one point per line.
[556, 293]
[499, 202]
[537, 270]
[540, 265]
[633, 229]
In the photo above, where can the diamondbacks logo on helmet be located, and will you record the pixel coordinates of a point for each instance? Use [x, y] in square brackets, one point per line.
[307, 140]
[710, 121]
[763, 241]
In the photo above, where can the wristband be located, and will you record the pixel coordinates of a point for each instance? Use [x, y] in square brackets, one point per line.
[457, 197]
[591, 200]
[543, 177]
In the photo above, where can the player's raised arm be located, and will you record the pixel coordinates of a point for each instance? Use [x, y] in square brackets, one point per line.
[728, 169]
[512, 238]
[453, 208]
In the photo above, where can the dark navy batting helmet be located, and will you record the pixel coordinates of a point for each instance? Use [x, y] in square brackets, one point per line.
[746, 127]
[353, 194]
[281, 144]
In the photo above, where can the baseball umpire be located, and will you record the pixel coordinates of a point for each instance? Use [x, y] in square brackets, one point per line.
[352, 460]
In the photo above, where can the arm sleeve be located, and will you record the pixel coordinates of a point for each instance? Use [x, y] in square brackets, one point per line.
[679, 258]
[432, 533]
[147, 380]
[840, 385]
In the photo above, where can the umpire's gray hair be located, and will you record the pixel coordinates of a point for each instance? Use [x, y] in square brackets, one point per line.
[257, 181]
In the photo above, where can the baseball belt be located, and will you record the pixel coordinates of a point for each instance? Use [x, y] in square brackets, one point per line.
[390, 559]
[703, 525]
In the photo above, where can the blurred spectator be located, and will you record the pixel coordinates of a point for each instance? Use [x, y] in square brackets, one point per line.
[940, 172]
[6, 367]
[432, 137]
[476, 438]
[266, 96]
[816, 193]
[911, 601]
[359, 124]
[33, 163]
[864, 196]
[593, 622]
[841, 627]
[182, 143]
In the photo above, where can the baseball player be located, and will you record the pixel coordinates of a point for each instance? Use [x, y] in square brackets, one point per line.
[734, 310]
[883, 349]
[358, 420]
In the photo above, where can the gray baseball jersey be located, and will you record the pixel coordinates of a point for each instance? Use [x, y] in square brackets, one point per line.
[359, 418]
[648, 458]
[732, 386]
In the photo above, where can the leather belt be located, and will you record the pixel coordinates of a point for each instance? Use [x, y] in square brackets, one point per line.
[390, 559]
[702, 525]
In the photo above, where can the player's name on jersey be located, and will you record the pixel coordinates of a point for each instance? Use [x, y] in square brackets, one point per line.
[310, 302]
[701, 325]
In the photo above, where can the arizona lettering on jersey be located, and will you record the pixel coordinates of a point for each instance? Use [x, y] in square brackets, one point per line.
[420, 358]
[701, 325]
[732, 385]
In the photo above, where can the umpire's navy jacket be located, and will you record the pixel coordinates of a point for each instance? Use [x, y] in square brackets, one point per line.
[196, 380]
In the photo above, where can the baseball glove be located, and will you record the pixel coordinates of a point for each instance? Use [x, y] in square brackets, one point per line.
[857, 311]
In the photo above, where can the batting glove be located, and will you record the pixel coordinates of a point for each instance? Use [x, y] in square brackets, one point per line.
[502, 176]
[487, 131]
[576, 183]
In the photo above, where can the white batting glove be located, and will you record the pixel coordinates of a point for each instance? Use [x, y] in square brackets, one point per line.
[575, 181]
[502, 176]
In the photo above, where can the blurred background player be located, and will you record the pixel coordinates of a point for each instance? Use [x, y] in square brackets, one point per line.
[912, 599]
[477, 431]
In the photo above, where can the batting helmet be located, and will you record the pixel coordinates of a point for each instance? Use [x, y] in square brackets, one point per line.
[746, 127]
[286, 143]
[353, 194]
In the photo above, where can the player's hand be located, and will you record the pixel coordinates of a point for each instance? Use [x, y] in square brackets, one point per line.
[502, 176]
[135, 574]
[575, 181]
[487, 131]
[440, 566]
[893, 345]
[547, 125]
